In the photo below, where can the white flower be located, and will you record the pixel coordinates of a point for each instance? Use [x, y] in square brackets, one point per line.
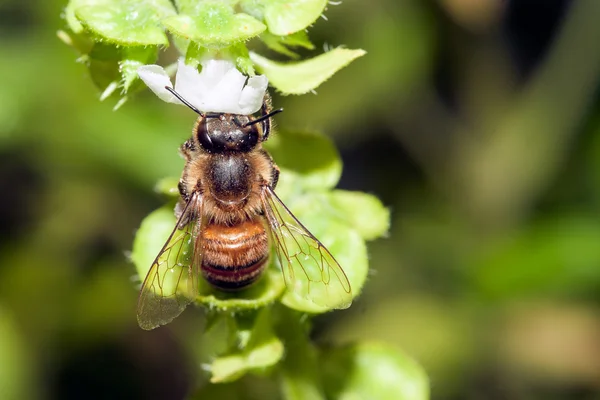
[219, 88]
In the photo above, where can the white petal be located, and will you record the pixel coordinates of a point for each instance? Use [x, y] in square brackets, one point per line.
[213, 71]
[155, 77]
[189, 84]
[225, 96]
[218, 88]
[253, 94]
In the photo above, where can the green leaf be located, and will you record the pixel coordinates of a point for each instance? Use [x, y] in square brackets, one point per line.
[372, 371]
[239, 53]
[307, 161]
[113, 67]
[281, 44]
[70, 17]
[300, 369]
[298, 39]
[152, 235]
[103, 65]
[284, 17]
[361, 211]
[263, 350]
[133, 58]
[344, 243]
[79, 42]
[303, 76]
[130, 23]
[150, 238]
[214, 25]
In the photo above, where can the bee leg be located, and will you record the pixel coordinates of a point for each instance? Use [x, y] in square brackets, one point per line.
[187, 149]
[179, 207]
[182, 189]
[267, 125]
[183, 201]
[274, 178]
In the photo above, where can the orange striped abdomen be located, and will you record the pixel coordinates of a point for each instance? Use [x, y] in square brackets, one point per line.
[234, 256]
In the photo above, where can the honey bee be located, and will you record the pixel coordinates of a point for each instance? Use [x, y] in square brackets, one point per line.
[228, 217]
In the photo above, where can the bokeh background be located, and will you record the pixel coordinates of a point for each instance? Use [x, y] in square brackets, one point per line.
[476, 121]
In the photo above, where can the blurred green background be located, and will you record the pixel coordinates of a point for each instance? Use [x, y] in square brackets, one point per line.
[477, 122]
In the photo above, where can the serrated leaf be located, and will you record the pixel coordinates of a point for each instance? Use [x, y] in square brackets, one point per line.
[273, 43]
[195, 7]
[214, 25]
[307, 160]
[284, 17]
[372, 371]
[298, 39]
[303, 76]
[131, 23]
[281, 44]
[70, 17]
[263, 350]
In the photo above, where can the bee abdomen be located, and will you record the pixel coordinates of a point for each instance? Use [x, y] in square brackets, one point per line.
[234, 256]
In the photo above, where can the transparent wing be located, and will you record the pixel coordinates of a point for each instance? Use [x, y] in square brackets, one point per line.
[172, 281]
[309, 269]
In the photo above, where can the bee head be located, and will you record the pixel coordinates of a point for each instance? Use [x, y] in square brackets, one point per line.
[220, 132]
[227, 132]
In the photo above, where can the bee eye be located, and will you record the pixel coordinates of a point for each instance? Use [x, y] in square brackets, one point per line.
[203, 137]
[252, 138]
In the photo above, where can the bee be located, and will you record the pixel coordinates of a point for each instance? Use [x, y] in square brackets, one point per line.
[228, 218]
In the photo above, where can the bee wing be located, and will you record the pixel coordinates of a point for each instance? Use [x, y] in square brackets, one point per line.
[309, 269]
[172, 281]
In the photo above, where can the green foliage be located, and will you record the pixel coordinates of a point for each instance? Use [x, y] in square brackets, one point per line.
[132, 32]
[303, 76]
[372, 371]
[256, 349]
[282, 44]
[131, 23]
[285, 17]
[263, 326]
[213, 25]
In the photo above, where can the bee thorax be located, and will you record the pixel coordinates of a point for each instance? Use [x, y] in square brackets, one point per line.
[229, 179]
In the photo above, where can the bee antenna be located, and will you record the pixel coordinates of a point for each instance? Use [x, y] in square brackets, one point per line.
[184, 101]
[260, 119]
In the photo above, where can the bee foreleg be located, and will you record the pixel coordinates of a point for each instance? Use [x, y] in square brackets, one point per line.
[267, 124]
[179, 208]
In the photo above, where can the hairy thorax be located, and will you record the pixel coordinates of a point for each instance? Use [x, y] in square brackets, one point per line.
[230, 184]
